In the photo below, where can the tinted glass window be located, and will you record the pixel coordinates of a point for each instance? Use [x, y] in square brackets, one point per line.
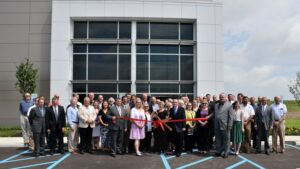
[142, 87]
[164, 30]
[164, 88]
[164, 49]
[124, 87]
[142, 48]
[79, 87]
[80, 30]
[186, 31]
[79, 48]
[124, 67]
[124, 30]
[142, 30]
[186, 49]
[186, 67]
[96, 48]
[142, 67]
[164, 67]
[102, 87]
[102, 67]
[124, 48]
[106, 30]
[79, 67]
[187, 88]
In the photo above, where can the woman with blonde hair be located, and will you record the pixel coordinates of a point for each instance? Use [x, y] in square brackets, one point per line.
[137, 131]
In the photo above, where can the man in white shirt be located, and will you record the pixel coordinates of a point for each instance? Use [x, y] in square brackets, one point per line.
[248, 114]
[279, 111]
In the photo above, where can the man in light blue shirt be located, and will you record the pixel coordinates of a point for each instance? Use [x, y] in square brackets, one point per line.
[279, 111]
[72, 116]
[24, 122]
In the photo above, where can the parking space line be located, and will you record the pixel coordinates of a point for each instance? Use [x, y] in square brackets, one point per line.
[28, 158]
[14, 156]
[34, 165]
[59, 161]
[173, 156]
[165, 162]
[293, 146]
[195, 162]
[236, 164]
[251, 162]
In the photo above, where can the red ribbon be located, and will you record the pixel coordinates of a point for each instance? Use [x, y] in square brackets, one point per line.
[157, 123]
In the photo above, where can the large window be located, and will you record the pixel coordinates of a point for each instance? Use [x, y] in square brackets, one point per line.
[102, 58]
[165, 31]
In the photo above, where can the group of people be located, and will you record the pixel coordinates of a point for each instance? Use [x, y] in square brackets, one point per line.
[146, 124]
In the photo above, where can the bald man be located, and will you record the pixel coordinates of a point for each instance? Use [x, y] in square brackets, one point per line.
[279, 111]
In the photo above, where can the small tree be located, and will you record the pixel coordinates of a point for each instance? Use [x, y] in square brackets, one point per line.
[26, 75]
[294, 87]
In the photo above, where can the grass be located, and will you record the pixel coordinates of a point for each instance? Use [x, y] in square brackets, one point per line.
[292, 123]
[10, 132]
[292, 106]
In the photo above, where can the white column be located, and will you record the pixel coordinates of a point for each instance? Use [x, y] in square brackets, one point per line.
[133, 57]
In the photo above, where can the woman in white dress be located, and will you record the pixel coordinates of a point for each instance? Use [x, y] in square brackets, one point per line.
[137, 131]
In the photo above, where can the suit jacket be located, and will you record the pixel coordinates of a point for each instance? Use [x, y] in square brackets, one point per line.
[118, 124]
[180, 114]
[83, 116]
[37, 121]
[223, 116]
[261, 121]
[51, 122]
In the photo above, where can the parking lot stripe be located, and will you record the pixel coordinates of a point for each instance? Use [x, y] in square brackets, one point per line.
[165, 162]
[14, 156]
[195, 162]
[236, 164]
[28, 158]
[293, 146]
[251, 162]
[175, 156]
[34, 165]
[59, 161]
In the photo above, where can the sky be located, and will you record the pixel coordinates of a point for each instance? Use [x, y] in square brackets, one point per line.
[261, 46]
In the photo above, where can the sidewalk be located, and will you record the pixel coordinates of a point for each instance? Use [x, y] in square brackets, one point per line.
[18, 141]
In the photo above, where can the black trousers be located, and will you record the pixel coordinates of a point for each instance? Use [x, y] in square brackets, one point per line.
[146, 142]
[211, 134]
[189, 140]
[203, 139]
[254, 135]
[86, 138]
[56, 136]
[39, 142]
[116, 140]
[178, 141]
[160, 140]
[263, 135]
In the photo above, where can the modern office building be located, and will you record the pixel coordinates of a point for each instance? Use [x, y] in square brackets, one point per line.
[166, 48]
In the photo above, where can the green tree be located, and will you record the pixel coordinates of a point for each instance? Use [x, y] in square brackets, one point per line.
[26, 75]
[294, 87]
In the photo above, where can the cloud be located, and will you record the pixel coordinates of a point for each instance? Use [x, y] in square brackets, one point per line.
[261, 46]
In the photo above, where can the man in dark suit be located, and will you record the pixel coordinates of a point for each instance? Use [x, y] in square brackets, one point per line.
[178, 128]
[56, 122]
[38, 127]
[263, 120]
[116, 127]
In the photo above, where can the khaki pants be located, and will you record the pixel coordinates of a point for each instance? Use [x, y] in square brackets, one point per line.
[25, 127]
[247, 137]
[278, 130]
[73, 138]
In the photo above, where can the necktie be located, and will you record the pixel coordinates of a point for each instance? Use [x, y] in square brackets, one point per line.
[42, 112]
[56, 112]
[119, 110]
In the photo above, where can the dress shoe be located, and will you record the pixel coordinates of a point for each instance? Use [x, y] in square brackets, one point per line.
[52, 153]
[217, 154]
[267, 153]
[42, 153]
[225, 155]
[113, 154]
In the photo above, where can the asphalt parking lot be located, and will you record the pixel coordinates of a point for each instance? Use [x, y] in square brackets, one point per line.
[18, 158]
